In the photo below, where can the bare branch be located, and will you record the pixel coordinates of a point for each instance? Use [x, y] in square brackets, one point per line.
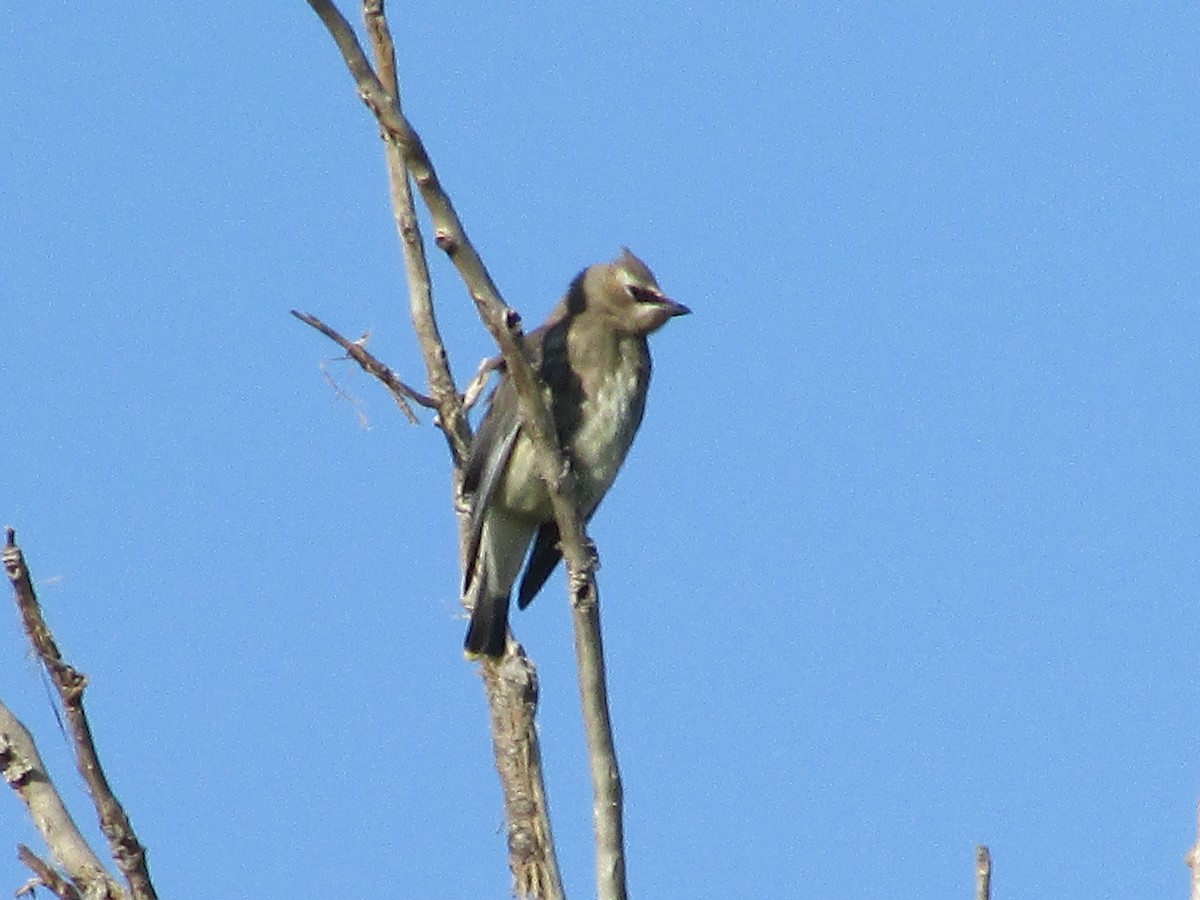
[372, 366]
[475, 389]
[129, 854]
[983, 873]
[503, 323]
[46, 877]
[512, 691]
[452, 417]
[26, 774]
[607, 793]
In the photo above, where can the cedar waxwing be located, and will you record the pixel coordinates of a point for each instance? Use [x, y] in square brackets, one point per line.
[593, 358]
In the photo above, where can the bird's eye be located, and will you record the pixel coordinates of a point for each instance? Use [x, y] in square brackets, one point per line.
[643, 295]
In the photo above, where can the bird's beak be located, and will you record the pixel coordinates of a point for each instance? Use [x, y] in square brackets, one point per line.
[674, 309]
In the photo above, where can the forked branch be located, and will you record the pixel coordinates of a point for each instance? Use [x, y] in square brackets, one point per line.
[504, 324]
[126, 850]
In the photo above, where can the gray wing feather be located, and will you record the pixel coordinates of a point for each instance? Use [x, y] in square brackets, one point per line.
[486, 465]
[493, 444]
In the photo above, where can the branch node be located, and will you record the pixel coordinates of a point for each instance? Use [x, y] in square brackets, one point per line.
[45, 877]
[446, 242]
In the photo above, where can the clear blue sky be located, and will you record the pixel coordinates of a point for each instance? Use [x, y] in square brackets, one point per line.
[904, 559]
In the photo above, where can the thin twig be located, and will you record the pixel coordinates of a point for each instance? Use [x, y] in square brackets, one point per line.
[127, 851]
[475, 389]
[372, 366]
[46, 877]
[607, 793]
[983, 873]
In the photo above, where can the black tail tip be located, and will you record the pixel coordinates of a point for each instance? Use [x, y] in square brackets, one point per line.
[483, 645]
[487, 635]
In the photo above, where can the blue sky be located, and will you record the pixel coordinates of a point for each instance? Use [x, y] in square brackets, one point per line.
[903, 561]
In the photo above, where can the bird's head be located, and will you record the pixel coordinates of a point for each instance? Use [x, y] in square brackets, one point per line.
[626, 294]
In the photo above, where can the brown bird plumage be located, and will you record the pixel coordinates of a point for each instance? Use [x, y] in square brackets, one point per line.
[593, 357]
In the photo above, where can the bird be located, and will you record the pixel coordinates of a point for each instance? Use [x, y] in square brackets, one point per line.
[594, 360]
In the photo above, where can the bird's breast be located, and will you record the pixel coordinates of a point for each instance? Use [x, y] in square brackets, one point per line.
[611, 412]
[599, 411]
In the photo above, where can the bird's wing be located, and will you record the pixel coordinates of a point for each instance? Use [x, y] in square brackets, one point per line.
[542, 560]
[486, 464]
[493, 445]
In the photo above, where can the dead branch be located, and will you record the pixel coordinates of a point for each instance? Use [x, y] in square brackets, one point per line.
[372, 366]
[127, 851]
[45, 876]
[512, 698]
[26, 774]
[512, 691]
[504, 323]
[452, 418]
[500, 320]
[607, 793]
[475, 389]
[983, 873]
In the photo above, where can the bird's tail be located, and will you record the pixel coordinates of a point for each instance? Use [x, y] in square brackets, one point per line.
[488, 631]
